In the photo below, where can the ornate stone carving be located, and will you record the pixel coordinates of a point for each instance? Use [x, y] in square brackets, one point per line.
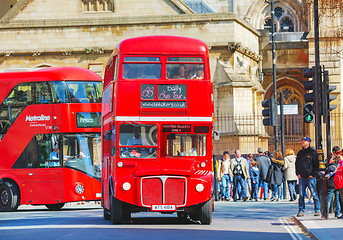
[94, 50]
[34, 54]
[235, 46]
[7, 54]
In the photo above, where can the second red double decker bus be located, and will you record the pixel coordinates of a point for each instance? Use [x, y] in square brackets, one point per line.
[157, 120]
[50, 137]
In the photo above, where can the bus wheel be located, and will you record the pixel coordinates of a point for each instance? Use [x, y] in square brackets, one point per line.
[9, 197]
[107, 216]
[55, 207]
[206, 213]
[119, 212]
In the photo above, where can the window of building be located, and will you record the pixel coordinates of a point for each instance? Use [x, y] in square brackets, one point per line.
[97, 5]
[199, 6]
[278, 12]
[268, 25]
[287, 25]
[283, 20]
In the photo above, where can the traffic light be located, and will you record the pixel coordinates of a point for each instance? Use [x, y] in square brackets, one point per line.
[326, 93]
[308, 113]
[311, 97]
[270, 111]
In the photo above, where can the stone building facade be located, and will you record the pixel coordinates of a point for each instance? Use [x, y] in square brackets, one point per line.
[83, 33]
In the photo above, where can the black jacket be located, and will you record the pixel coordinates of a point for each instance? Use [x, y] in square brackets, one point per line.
[331, 169]
[307, 163]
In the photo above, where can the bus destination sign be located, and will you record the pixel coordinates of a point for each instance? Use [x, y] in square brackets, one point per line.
[176, 128]
[165, 96]
[163, 104]
[88, 120]
[164, 92]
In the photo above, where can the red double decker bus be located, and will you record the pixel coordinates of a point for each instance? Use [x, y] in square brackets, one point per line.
[157, 121]
[50, 144]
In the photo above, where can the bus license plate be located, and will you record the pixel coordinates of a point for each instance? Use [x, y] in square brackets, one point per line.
[163, 208]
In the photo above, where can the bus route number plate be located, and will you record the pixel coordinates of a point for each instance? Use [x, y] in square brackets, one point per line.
[163, 208]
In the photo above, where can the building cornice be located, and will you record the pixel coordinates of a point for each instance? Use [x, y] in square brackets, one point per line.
[117, 21]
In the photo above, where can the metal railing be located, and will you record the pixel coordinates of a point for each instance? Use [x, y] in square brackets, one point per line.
[247, 133]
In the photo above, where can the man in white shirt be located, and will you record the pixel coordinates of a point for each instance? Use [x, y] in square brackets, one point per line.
[225, 175]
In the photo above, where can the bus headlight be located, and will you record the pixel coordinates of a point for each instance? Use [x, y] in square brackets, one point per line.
[79, 188]
[126, 186]
[199, 187]
[120, 164]
[203, 164]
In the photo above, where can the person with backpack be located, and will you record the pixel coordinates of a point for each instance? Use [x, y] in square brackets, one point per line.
[239, 168]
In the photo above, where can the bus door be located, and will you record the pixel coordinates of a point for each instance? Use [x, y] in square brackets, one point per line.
[45, 176]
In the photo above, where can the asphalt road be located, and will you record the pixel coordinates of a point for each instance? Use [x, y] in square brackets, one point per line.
[231, 220]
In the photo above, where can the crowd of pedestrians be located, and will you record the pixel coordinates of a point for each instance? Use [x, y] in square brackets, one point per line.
[262, 178]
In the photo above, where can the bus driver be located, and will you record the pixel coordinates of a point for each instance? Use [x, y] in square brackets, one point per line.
[54, 156]
[136, 139]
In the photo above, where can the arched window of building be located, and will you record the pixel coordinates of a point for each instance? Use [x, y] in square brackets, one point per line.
[278, 12]
[283, 20]
[268, 25]
[287, 25]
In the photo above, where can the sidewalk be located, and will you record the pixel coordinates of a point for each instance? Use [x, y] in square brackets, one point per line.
[320, 228]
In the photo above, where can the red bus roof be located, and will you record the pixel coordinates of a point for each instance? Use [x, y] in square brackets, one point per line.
[162, 44]
[51, 73]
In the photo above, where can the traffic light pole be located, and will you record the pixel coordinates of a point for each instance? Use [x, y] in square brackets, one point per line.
[274, 70]
[318, 105]
[317, 78]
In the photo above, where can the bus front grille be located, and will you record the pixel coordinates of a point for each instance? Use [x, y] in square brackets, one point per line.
[169, 190]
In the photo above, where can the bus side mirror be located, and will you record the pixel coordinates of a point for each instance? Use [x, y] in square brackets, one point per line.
[216, 135]
[108, 135]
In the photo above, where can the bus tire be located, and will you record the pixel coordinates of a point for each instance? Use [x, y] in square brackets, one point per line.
[9, 197]
[120, 213]
[55, 207]
[206, 213]
[107, 216]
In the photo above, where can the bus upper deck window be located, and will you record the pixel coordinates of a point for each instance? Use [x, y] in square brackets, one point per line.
[185, 68]
[85, 92]
[141, 68]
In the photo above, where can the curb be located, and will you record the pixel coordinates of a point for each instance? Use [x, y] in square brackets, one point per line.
[304, 228]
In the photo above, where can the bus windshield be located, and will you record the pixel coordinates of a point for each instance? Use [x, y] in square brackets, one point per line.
[82, 151]
[186, 144]
[140, 141]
